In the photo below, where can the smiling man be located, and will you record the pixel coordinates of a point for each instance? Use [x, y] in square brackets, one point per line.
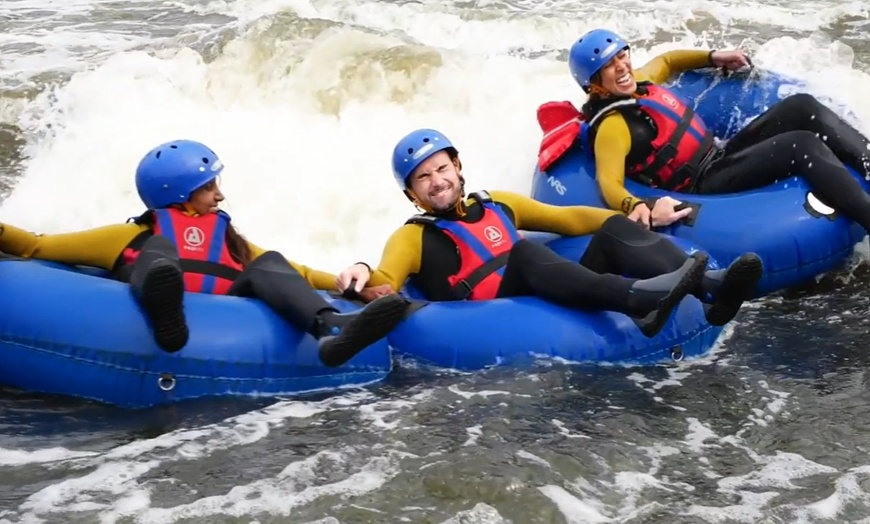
[469, 249]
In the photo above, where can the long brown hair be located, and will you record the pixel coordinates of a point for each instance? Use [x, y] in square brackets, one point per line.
[238, 246]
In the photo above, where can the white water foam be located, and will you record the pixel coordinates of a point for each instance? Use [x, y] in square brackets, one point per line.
[306, 125]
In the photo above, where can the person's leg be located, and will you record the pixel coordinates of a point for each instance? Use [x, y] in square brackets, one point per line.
[625, 247]
[341, 336]
[157, 283]
[803, 112]
[534, 269]
[789, 154]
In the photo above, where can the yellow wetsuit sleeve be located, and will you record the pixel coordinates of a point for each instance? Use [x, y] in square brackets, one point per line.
[612, 145]
[315, 278]
[400, 258]
[531, 215]
[98, 247]
[660, 69]
[613, 139]
[403, 251]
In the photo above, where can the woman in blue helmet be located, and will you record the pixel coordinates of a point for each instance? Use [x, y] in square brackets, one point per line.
[184, 242]
[470, 249]
[644, 131]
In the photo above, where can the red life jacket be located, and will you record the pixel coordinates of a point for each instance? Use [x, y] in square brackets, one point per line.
[483, 248]
[682, 144]
[205, 257]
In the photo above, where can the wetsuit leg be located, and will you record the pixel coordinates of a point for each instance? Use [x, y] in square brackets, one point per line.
[788, 154]
[625, 247]
[535, 270]
[803, 112]
[157, 283]
[273, 280]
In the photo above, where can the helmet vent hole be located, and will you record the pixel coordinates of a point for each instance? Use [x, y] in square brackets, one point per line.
[410, 150]
[158, 154]
[425, 140]
[609, 41]
[597, 50]
[204, 160]
[173, 146]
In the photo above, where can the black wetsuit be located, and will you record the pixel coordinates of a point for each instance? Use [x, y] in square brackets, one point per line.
[620, 247]
[797, 136]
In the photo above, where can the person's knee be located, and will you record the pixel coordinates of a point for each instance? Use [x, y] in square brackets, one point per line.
[527, 253]
[157, 247]
[521, 248]
[618, 223]
[803, 103]
[160, 244]
[800, 99]
[270, 261]
[619, 227]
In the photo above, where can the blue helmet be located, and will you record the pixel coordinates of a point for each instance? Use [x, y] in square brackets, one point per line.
[591, 52]
[170, 172]
[414, 149]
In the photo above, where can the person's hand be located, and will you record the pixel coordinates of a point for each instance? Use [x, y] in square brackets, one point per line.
[358, 272]
[730, 60]
[372, 293]
[663, 213]
[641, 214]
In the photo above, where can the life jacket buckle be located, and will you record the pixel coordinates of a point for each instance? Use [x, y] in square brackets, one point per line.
[713, 154]
[667, 153]
[462, 290]
[695, 173]
[685, 178]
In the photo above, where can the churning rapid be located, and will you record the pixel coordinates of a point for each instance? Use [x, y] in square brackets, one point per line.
[303, 101]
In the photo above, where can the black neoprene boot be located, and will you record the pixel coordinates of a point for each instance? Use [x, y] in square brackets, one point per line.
[343, 335]
[723, 291]
[651, 300]
[157, 283]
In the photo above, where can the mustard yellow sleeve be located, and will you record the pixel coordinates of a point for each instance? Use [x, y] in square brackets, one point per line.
[315, 278]
[662, 67]
[532, 215]
[400, 258]
[612, 145]
[98, 247]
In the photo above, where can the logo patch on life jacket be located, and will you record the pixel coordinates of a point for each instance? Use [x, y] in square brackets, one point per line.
[494, 235]
[193, 237]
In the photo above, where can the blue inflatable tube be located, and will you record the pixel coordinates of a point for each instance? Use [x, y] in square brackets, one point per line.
[68, 331]
[471, 335]
[796, 235]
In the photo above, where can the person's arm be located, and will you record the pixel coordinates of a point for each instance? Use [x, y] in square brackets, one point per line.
[612, 145]
[661, 68]
[99, 247]
[532, 215]
[400, 258]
